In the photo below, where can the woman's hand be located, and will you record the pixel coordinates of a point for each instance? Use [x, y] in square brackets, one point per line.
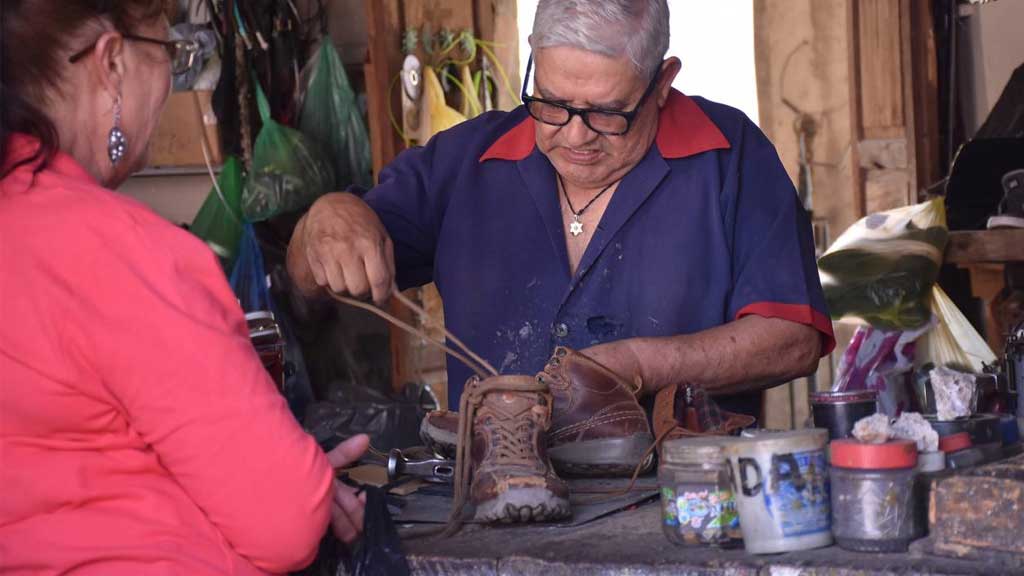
[347, 509]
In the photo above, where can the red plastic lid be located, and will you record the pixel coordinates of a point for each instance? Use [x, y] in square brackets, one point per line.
[893, 454]
[955, 442]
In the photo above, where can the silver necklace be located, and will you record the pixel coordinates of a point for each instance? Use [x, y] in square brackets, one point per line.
[576, 226]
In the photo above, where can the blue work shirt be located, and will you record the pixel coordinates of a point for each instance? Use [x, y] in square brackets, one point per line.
[707, 228]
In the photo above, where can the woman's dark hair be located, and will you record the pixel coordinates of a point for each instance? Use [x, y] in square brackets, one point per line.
[34, 46]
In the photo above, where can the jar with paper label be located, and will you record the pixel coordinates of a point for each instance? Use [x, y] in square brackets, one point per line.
[698, 508]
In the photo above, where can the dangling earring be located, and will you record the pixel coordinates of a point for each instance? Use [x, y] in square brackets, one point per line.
[117, 144]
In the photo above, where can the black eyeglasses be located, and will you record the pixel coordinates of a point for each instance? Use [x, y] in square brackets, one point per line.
[182, 52]
[605, 122]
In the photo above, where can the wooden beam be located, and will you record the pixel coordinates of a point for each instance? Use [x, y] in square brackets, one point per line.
[384, 61]
[496, 21]
[855, 106]
[925, 107]
[880, 68]
[907, 83]
[985, 246]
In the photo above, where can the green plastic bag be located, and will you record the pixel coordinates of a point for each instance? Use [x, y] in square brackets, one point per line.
[288, 172]
[331, 117]
[881, 270]
[219, 220]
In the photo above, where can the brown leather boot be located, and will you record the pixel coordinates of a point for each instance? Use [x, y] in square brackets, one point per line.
[598, 428]
[684, 411]
[513, 480]
[439, 431]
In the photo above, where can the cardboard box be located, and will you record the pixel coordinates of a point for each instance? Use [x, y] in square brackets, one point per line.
[187, 121]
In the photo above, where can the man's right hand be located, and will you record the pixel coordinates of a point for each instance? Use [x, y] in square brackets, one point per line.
[341, 245]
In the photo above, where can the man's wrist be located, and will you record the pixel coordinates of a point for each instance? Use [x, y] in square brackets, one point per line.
[298, 267]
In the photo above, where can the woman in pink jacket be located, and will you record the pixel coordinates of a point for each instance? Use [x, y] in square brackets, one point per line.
[139, 433]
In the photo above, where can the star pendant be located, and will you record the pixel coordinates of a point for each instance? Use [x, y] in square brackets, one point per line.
[576, 227]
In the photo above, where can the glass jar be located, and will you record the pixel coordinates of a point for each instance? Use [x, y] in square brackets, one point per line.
[873, 504]
[698, 508]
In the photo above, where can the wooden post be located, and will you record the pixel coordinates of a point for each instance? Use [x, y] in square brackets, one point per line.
[384, 63]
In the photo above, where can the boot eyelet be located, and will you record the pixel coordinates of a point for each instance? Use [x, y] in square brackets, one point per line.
[560, 352]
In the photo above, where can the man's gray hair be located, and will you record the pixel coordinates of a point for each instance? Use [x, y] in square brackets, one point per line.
[637, 29]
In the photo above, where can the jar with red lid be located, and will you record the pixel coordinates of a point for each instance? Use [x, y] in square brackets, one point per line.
[960, 451]
[873, 504]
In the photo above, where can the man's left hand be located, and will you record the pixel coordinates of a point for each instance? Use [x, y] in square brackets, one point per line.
[619, 357]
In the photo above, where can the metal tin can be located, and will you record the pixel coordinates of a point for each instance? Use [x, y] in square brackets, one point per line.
[837, 412]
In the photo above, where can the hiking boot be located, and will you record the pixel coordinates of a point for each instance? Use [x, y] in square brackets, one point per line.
[597, 428]
[439, 431]
[685, 411]
[513, 480]
[1011, 208]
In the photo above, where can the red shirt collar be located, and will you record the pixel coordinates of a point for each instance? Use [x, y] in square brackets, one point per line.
[683, 130]
[20, 146]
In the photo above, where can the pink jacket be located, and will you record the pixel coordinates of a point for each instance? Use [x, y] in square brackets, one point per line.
[139, 432]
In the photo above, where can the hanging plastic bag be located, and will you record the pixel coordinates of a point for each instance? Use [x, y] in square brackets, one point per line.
[331, 117]
[953, 342]
[289, 171]
[219, 220]
[882, 269]
[248, 279]
[880, 360]
[442, 116]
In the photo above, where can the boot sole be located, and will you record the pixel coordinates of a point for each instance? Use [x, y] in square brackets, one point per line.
[520, 505]
[603, 456]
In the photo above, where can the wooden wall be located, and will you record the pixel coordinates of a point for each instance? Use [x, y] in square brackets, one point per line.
[858, 78]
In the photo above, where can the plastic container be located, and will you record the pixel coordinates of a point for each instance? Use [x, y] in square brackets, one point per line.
[982, 428]
[1010, 428]
[960, 452]
[781, 490]
[930, 466]
[839, 411]
[991, 452]
[873, 505]
[696, 493]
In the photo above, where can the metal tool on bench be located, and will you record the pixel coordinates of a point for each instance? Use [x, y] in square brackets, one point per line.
[430, 468]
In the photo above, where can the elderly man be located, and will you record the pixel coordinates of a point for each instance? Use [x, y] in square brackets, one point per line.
[655, 232]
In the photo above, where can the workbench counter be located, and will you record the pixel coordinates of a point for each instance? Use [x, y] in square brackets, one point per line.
[631, 542]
